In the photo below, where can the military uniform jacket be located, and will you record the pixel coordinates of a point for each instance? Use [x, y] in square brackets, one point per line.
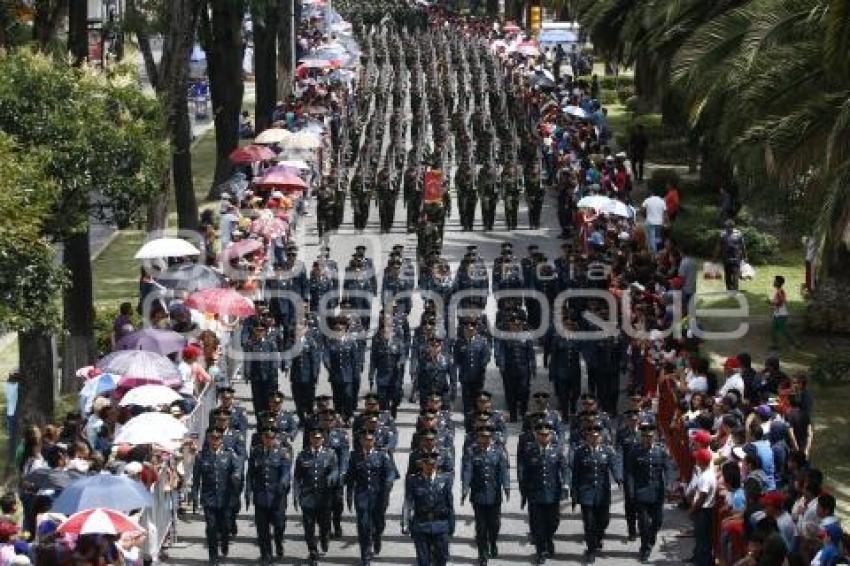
[485, 473]
[627, 439]
[516, 354]
[429, 504]
[649, 473]
[337, 440]
[235, 440]
[370, 477]
[238, 418]
[385, 438]
[445, 459]
[542, 473]
[433, 374]
[471, 358]
[265, 367]
[319, 286]
[385, 359]
[316, 474]
[304, 366]
[269, 472]
[287, 425]
[217, 477]
[342, 359]
[591, 474]
[564, 358]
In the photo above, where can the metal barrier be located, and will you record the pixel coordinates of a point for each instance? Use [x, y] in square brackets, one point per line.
[161, 519]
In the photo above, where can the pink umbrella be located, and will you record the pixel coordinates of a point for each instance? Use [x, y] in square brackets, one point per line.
[270, 227]
[251, 154]
[225, 302]
[140, 367]
[281, 179]
[511, 28]
[242, 248]
[98, 521]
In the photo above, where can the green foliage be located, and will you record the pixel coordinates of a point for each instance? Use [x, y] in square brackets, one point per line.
[832, 370]
[657, 182]
[98, 134]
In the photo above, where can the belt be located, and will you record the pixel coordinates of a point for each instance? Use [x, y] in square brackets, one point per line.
[430, 517]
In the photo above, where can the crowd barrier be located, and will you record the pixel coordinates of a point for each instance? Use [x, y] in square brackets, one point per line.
[161, 519]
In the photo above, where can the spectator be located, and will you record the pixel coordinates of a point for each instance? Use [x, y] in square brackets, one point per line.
[701, 493]
[773, 505]
[638, 145]
[762, 449]
[10, 388]
[655, 211]
[779, 307]
[734, 381]
[123, 323]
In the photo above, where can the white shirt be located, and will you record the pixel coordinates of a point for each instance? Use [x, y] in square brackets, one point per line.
[188, 387]
[11, 390]
[704, 482]
[696, 384]
[655, 208]
[734, 381]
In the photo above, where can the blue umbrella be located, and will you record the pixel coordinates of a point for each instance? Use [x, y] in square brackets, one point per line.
[103, 490]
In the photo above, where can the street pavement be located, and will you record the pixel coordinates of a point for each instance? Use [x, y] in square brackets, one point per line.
[514, 547]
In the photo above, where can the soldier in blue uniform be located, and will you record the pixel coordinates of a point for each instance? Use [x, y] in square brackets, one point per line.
[395, 286]
[342, 360]
[426, 444]
[385, 438]
[428, 513]
[267, 485]
[434, 373]
[370, 481]
[324, 289]
[543, 482]
[485, 476]
[471, 354]
[216, 479]
[336, 439]
[386, 364]
[627, 439]
[372, 405]
[496, 419]
[540, 405]
[516, 358]
[650, 474]
[472, 275]
[564, 358]
[289, 288]
[227, 400]
[232, 438]
[284, 421]
[316, 474]
[261, 365]
[439, 283]
[359, 288]
[303, 366]
[593, 465]
[442, 418]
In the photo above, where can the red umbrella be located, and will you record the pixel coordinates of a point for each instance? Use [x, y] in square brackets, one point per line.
[98, 521]
[225, 302]
[282, 179]
[251, 154]
[242, 247]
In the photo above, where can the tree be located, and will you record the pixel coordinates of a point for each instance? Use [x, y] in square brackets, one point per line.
[265, 18]
[29, 277]
[220, 31]
[286, 49]
[100, 141]
[48, 16]
[78, 36]
[170, 79]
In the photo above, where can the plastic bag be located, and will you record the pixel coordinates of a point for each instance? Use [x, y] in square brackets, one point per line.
[747, 271]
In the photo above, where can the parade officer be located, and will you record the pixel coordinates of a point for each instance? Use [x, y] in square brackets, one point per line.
[267, 485]
[316, 475]
[429, 514]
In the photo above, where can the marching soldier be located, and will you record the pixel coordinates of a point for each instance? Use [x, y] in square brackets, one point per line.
[485, 476]
[651, 472]
[336, 439]
[426, 444]
[471, 356]
[361, 197]
[428, 513]
[342, 360]
[303, 368]
[267, 485]
[543, 482]
[387, 194]
[385, 437]
[284, 421]
[412, 196]
[489, 195]
[628, 438]
[323, 288]
[370, 479]
[359, 288]
[316, 475]
[386, 365]
[593, 465]
[238, 417]
[216, 479]
[326, 208]
[516, 359]
[534, 195]
[564, 359]
[261, 365]
[510, 194]
[434, 373]
[467, 197]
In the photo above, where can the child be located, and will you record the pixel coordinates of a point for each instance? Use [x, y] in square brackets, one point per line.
[779, 303]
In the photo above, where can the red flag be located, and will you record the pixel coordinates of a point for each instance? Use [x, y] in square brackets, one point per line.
[433, 186]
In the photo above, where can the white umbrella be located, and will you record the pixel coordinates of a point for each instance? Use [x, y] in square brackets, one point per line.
[150, 396]
[295, 164]
[575, 111]
[151, 428]
[617, 208]
[593, 201]
[166, 247]
[273, 135]
[303, 140]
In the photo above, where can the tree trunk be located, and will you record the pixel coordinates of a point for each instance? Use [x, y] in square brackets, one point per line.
[493, 8]
[77, 308]
[265, 20]
[286, 50]
[36, 399]
[222, 38]
[157, 218]
[78, 37]
[647, 85]
[181, 168]
[48, 16]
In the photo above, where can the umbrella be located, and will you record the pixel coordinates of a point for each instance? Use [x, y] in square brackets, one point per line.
[153, 340]
[593, 201]
[272, 135]
[103, 383]
[528, 50]
[251, 154]
[98, 521]
[151, 428]
[299, 164]
[225, 302]
[150, 396]
[303, 140]
[281, 179]
[166, 247]
[316, 64]
[511, 28]
[617, 208]
[541, 80]
[575, 111]
[140, 367]
[50, 479]
[241, 248]
[270, 227]
[191, 277]
[103, 490]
